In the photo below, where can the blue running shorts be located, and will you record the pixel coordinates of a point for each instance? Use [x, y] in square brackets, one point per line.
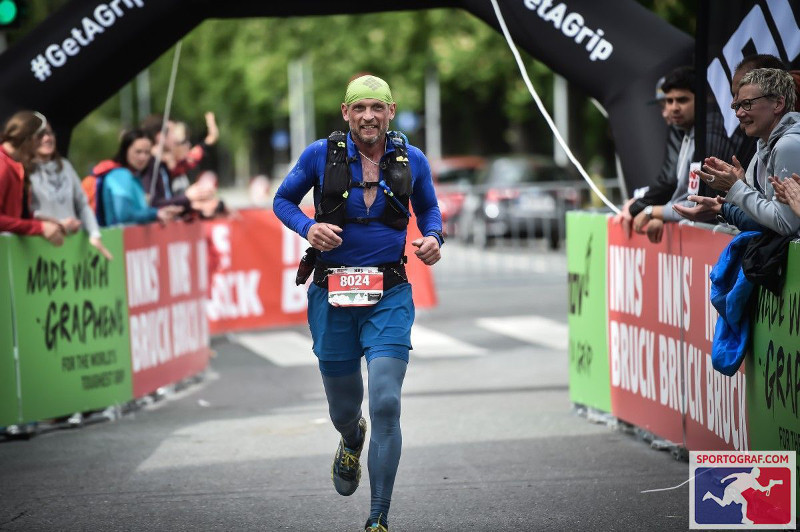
[347, 333]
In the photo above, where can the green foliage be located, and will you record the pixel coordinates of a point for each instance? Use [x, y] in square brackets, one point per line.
[239, 70]
[679, 13]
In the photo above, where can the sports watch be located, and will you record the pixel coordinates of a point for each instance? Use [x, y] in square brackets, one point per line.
[439, 235]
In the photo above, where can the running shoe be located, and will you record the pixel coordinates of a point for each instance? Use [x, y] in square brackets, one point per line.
[376, 525]
[346, 469]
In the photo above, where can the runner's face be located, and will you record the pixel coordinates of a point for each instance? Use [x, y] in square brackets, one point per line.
[369, 119]
[139, 154]
[680, 107]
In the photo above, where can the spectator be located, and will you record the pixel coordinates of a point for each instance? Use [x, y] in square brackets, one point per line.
[664, 186]
[678, 87]
[57, 195]
[258, 190]
[186, 157]
[18, 144]
[123, 196]
[711, 209]
[763, 103]
[157, 183]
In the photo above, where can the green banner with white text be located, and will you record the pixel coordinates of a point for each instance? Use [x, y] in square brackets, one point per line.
[72, 325]
[588, 344]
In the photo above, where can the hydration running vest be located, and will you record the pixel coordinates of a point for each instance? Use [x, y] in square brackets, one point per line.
[337, 182]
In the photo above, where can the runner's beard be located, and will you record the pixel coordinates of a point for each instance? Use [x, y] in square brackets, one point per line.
[373, 140]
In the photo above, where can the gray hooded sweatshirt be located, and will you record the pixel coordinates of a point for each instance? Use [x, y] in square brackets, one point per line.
[682, 173]
[780, 155]
[58, 194]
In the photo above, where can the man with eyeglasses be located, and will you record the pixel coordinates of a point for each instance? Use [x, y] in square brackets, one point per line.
[763, 104]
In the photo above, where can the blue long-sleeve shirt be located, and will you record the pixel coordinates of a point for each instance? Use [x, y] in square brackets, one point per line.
[736, 216]
[124, 201]
[362, 244]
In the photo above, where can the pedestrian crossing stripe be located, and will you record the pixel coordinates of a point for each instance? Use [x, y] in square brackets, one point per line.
[293, 348]
[428, 343]
[282, 348]
[531, 329]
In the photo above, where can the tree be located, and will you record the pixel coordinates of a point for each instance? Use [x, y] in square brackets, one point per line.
[238, 68]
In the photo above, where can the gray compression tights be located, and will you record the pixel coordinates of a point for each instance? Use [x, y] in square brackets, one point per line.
[345, 394]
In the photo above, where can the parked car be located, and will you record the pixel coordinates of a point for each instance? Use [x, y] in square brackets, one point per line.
[454, 178]
[520, 196]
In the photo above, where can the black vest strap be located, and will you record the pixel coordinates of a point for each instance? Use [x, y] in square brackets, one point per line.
[337, 182]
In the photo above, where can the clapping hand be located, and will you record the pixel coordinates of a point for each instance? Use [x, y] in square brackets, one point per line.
[720, 175]
[705, 209]
[788, 191]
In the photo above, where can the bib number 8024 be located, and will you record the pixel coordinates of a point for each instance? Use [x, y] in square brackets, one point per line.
[354, 280]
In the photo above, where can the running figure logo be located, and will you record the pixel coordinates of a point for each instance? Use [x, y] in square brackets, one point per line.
[744, 490]
[742, 482]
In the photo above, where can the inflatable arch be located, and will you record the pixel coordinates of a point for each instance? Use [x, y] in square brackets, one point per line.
[85, 52]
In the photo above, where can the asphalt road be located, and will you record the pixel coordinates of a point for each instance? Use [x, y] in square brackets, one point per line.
[491, 441]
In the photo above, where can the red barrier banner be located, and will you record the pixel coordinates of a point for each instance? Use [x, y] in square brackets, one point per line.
[253, 259]
[716, 412]
[644, 316]
[167, 275]
[661, 328]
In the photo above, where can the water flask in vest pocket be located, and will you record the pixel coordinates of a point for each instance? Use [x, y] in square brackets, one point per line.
[306, 266]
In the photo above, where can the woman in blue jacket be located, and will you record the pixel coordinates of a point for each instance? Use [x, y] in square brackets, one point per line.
[124, 200]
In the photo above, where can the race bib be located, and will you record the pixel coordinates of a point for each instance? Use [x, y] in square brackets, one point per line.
[354, 287]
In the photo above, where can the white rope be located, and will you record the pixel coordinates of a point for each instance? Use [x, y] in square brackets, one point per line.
[167, 108]
[544, 112]
[675, 487]
[667, 489]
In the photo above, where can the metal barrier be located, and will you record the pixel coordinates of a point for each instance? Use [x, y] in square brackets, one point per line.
[510, 231]
[482, 215]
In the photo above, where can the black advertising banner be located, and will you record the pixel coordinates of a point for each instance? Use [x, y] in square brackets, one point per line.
[734, 29]
[616, 55]
[86, 51]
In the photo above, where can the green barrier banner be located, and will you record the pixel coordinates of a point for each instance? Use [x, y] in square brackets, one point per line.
[588, 342]
[72, 325]
[9, 400]
[773, 370]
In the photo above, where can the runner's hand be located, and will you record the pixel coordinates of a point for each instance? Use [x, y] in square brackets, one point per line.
[428, 251]
[324, 236]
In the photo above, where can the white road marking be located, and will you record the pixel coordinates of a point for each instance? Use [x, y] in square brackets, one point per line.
[532, 329]
[291, 348]
[428, 343]
[282, 348]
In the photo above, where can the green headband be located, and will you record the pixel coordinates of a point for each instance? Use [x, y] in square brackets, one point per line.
[368, 87]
